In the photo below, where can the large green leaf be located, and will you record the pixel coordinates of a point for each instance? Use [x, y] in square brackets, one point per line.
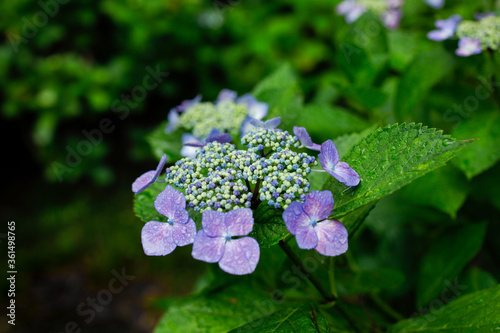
[389, 158]
[446, 258]
[281, 91]
[303, 319]
[444, 189]
[477, 312]
[216, 310]
[326, 122]
[419, 77]
[269, 227]
[485, 153]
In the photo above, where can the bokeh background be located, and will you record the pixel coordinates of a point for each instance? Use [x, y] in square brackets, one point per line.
[64, 75]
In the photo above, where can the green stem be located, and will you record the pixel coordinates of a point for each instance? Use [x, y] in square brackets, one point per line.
[331, 277]
[296, 260]
[386, 307]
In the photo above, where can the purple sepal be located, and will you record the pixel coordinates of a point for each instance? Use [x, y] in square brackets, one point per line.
[146, 179]
[308, 222]
[446, 29]
[468, 46]
[305, 139]
[161, 238]
[214, 243]
[188, 103]
[329, 160]
[189, 148]
[226, 94]
[269, 124]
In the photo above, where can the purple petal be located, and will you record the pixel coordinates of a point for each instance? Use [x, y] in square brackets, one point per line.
[446, 29]
[239, 222]
[208, 249]
[195, 144]
[156, 238]
[148, 178]
[240, 256]
[480, 16]
[181, 215]
[440, 35]
[306, 237]
[468, 47]
[329, 155]
[213, 223]
[295, 217]
[173, 121]
[318, 205]
[269, 124]
[169, 201]
[226, 94]
[345, 174]
[188, 103]
[255, 109]
[355, 13]
[305, 139]
[345, 7]
[143, 182]
[189, 151]
[220, 138]
[183, 234]
[436, 4]
[332, 238]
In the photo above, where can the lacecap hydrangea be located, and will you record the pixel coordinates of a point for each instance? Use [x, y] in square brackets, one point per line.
[228, 114]
[474, 36]
[226, 184]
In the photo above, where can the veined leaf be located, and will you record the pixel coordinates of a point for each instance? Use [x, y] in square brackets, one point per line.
[389, 158]
[476, 312]
[303, 319]
[144, 204]
[269, 227]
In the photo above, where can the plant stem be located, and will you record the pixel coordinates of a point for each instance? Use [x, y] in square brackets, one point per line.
[296, 260]
[331, 277]
[386, 307]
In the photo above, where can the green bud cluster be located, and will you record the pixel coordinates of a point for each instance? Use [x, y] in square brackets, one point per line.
[487, 30]
[225, 116]
[223, 178]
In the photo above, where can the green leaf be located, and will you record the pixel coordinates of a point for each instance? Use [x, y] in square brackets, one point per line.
[367, 281]
[477, 279]
[303, 319]
[389, 158]
[144, 204]
[269, 227]
[444, 189]
[354, 219]
[446, 257]
[281, 91]
[162, 143]
[370, 98]
[363, 51]
[324, 122]
[421, 74]
[346, 142]
[485, 153]
[216, 310]
[477, 312]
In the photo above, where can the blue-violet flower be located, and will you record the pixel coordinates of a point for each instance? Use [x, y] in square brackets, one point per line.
[148, 178]
[330, 161]
[215, 242]
[309, 223]
[161, 238]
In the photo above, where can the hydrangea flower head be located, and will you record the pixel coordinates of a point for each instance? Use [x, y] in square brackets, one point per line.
[388, 10]
[217, 242]
[305, 139]
[446, 29]
[309, 223]
[161, 238]
[148, 178]
[474, 36]
[227, 114]
[330, 161]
